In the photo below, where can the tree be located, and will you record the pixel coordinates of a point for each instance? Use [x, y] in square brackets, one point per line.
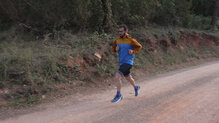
[202, 7]
[107, 19]
[215, 13]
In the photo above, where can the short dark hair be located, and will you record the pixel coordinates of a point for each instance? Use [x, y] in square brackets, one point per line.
[124, 27]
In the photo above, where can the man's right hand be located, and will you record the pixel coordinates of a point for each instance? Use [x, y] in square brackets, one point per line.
[117, 48]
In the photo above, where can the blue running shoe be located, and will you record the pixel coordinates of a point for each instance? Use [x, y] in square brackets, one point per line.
[137, 89]
[117, 98]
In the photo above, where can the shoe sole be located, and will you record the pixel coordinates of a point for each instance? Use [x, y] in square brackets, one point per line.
[118, 100]
[138, 91]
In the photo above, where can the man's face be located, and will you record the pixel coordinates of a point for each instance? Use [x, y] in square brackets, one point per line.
[121, 32]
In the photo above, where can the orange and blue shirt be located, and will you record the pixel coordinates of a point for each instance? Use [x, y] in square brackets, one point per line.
[125, 44]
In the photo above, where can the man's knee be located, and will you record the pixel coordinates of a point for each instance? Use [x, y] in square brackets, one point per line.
[129, 77]
[117, 76]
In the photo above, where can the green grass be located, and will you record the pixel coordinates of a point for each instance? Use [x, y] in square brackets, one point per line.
[25, 102]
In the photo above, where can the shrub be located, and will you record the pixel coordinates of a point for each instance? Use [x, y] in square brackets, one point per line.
[199, 22]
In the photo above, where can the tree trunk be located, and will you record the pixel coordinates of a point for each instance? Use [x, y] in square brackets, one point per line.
[107, 19]
[215, 14]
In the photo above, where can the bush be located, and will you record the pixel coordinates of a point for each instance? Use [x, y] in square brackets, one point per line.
[134, 12]
[172, 12]
[44, 16]
[217, 24]
[5, 22]
[199, 22]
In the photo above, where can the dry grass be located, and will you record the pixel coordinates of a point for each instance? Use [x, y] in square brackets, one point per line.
[30, 68]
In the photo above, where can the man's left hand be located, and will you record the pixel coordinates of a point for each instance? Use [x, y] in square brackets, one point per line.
[130, 52]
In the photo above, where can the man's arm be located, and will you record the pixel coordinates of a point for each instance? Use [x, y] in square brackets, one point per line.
[114, 46]
[137, 46]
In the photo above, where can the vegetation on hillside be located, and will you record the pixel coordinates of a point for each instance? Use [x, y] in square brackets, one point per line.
[42, 16]
[47, 43]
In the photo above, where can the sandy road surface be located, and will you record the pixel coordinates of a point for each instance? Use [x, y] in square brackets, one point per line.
[186, 96]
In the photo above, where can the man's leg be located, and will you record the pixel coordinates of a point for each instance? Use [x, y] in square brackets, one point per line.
[132, 81]
[118, 82]
[118, 96]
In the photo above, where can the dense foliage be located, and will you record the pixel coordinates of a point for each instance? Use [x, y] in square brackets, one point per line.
[78, 15]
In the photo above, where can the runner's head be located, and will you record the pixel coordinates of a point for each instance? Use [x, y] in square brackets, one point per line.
[123, 30]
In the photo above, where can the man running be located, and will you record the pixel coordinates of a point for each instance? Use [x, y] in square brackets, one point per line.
[126, 47]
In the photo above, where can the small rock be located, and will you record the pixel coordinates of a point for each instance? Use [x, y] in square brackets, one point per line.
[43, 96]
[181, 47]
[6, 91]
[98, 56]
[2, 102]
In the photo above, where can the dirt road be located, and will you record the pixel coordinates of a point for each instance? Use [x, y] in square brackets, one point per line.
[190, 95]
